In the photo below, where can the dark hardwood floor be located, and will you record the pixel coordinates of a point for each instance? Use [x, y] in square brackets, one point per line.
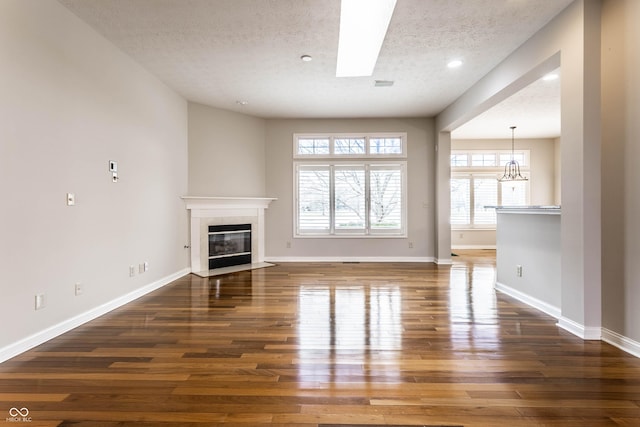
[325, 344]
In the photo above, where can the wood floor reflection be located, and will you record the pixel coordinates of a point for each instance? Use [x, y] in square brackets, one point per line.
[326, 344]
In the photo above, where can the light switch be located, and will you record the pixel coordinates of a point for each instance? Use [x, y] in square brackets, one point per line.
[71, 199]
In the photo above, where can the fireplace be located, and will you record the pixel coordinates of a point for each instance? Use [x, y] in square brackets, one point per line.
[213, 211]
[229, 245]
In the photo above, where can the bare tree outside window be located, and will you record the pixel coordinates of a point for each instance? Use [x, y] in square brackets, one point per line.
[350, 198]
[349, 146]
[313, 199]
[340, 190]
[386, 197]
[350, 192]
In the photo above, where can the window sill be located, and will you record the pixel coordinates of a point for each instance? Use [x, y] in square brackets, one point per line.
[350, 236]
[491, 228]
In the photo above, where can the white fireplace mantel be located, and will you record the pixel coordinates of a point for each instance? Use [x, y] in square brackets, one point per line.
[200, 202]
[206, 211]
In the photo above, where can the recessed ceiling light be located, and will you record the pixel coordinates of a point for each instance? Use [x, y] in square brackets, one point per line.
[549, 77]
[363, 26]
[454, 64]
[306, 58]
[242, 103]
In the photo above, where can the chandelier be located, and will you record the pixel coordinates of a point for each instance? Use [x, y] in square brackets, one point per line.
[512, 168]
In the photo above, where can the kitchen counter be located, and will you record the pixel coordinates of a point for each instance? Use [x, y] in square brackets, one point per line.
[540, 209]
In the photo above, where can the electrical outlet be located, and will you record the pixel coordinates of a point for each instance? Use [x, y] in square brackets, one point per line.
[519, 270]
[132, 270]
[41, 301]
[140, 268]
[146, 266]
[288, 245]
[410, 245]
[79, 289]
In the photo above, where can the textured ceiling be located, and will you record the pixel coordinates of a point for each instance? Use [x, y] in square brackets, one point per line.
[219, 52]
[534, 110]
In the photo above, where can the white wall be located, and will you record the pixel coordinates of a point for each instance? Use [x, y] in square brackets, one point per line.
[226, 153]
[420, 178]
[621, 177]
[70, 102]
[541, 186]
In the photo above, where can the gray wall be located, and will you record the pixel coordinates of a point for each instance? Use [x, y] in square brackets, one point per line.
[420, 172]
[70, 102]
[621, 177]
[226, 153]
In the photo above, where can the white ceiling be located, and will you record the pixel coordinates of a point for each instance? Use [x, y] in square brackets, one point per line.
[534, 110]
[219, 52]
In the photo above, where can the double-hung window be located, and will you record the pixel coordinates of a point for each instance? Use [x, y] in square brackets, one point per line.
[474, 185]
[350, 185]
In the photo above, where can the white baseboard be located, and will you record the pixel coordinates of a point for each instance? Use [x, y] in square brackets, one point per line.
[41, 337]
[443, 261]
[545, 307]
[473, 247]
[584, 332]
[348, 259]
[623, 343]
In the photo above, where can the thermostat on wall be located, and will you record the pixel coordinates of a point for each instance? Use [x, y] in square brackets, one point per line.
[113, 166]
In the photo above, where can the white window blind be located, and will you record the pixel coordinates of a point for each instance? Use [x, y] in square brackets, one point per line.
[351, 199]
[386, 198]
[461, 201]
[349, 195]
[314, 211]
[514, 193]
[485, 193]
[474, 185]
[470, 193]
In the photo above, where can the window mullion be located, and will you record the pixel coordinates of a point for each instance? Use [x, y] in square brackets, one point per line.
[472, 199]
[367, 199]
[332, 202]
[297, 198]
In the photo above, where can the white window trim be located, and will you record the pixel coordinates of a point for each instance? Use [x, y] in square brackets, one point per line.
[333, 136]
[524, 167]
[458, 174]
[487, 171]
[367, 233]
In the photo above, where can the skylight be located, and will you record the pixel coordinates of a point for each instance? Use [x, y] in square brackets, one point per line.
[363, 26]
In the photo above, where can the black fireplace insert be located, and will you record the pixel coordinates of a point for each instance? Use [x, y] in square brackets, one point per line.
[229, 245]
